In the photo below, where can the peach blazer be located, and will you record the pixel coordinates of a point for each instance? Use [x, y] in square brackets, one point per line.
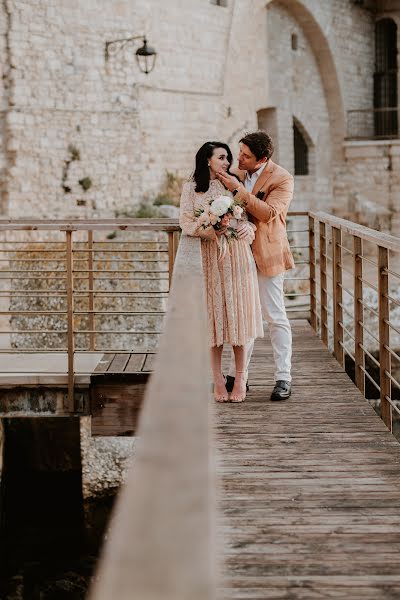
[271, 246]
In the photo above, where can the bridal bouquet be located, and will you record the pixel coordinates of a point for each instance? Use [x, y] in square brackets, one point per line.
[223, 211]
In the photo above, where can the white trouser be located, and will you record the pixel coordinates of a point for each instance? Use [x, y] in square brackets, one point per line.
[274, 312]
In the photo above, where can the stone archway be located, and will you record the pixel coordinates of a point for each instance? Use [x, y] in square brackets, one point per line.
[327, 68]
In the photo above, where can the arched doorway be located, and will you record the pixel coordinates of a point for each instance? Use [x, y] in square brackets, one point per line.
[327, 68]
[302, 149]
[302, 106]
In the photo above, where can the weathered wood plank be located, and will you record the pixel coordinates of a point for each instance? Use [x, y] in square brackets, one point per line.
[161, 544]
[309, 488]
[118, 363]
[115, 405]
[135, 363]
[104, 363]
[149, 363]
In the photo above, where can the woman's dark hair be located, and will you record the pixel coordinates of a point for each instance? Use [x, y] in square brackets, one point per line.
[259, 143]
[201, 173]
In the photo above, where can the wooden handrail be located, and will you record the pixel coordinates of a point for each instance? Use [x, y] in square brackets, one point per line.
[85, 224]
[384, 243]
[161, 543]
[381, 239]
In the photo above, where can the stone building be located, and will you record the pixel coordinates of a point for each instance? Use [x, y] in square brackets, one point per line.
[82, 135]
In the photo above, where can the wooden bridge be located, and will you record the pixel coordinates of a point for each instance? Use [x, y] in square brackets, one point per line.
[309, 490]
[290, 500]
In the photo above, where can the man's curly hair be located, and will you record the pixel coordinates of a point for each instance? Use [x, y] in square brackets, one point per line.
[259, 143]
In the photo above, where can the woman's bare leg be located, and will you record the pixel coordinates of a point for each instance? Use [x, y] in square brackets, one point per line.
[220, 393]
[239, 389]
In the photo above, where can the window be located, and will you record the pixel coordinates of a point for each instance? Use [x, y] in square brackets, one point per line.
[385, 79]
[295, 41]
[300, 151]
[220, 2]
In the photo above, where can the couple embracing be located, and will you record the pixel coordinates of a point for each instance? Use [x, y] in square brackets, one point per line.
[241, 220]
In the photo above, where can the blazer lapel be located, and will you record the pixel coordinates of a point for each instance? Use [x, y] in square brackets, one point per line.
[263, 178]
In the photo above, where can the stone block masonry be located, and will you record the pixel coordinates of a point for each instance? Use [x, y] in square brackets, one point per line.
[81, 136]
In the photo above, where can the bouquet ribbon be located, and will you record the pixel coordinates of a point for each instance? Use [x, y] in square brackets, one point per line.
[223, 247]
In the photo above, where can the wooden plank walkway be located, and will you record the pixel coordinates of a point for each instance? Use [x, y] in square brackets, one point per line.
[46, 368]
[309, 488]
[124, 364]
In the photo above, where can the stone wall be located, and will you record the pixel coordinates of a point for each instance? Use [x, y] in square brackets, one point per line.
[297, 91]
[70, 116]
[329, 71]
[367, 185]
[74, 116]
[4, 97]
[84, 136]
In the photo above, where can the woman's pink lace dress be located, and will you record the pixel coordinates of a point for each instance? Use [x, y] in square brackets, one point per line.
[233, 302]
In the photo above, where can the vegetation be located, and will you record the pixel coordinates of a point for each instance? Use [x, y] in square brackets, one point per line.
[170, 194]
[85, 183]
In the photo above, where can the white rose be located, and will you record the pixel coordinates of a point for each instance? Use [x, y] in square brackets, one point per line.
[204, 219]
[214, 219]
[237, 211]
[220, 205]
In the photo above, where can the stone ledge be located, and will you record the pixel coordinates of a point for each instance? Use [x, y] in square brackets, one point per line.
[371, 148]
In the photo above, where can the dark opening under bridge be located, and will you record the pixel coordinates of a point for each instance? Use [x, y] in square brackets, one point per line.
[260, 500]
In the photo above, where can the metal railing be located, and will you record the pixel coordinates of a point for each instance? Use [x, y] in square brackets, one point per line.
[355, 276]
[373, 124]
[75, 288]
[84, 287]
[297, 281]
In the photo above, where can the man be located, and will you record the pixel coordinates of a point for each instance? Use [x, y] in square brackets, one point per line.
[266, 191]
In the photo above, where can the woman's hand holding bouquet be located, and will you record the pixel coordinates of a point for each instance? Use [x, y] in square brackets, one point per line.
[222, 214]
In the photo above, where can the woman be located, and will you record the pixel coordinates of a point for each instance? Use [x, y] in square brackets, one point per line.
[233, 303]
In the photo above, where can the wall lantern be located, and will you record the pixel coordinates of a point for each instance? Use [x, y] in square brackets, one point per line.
[145, 55]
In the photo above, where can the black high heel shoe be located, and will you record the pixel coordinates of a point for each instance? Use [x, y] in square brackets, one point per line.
[230, 382]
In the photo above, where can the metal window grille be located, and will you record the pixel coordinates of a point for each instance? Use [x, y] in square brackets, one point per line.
[300, 152]
[385, 78]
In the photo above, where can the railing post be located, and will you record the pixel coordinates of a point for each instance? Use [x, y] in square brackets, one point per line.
[384, 355]
[92, 339]
[70, 322]
[323, 284]
[337, 295]
[313, 293]
[173, 242]
[358, 315]
[176, 243]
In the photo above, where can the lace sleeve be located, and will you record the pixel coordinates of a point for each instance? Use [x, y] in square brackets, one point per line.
[187, 220]
[245, 217]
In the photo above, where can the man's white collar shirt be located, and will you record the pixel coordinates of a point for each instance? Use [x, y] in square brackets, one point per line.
[250, 180]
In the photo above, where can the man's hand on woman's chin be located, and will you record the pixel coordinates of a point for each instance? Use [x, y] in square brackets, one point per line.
[229, 181]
